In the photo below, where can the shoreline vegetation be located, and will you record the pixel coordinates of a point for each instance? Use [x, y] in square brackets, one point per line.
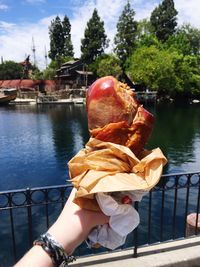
[157, 54]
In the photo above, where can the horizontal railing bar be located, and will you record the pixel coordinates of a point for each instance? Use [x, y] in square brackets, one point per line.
[36, 188]
[31, 205]
[70, 185]
[180, 174]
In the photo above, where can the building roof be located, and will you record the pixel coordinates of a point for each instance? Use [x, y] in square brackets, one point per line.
[5, 83]
[71, 62]
[84, 72]
[14, 83]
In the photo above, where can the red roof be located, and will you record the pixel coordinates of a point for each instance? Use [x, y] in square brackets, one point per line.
[6, 83]
[28, 83]
[14, 83]
[49, 82]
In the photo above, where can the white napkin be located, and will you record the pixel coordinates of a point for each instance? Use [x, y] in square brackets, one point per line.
[123, 219]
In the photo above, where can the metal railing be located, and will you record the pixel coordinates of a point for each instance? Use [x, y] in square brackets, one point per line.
[24, 214]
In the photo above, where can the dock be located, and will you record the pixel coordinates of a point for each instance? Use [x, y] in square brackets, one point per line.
[47, 100]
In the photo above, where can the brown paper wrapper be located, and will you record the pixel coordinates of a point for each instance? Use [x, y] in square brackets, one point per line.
[108, 167]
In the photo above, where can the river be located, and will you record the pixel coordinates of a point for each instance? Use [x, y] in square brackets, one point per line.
[36, 142]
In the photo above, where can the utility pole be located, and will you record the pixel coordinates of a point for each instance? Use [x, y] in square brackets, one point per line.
[33, 50]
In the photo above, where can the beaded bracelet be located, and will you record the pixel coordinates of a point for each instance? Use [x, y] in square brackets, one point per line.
[54, 250]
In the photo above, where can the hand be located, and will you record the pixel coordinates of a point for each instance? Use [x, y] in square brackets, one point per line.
[70, 230]
[74, 224]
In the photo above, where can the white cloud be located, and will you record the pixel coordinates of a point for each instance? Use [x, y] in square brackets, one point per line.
[109, 12]
[3, 7]
[5, 26]
[16, 40]
[188, 12]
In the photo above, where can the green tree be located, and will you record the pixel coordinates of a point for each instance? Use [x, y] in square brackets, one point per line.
[56, 39]
[68, 47]
[60, 39]
[144, 28]
[108, 65]
[125, 37]
[186, 40]
[154, 69]
[164, 20]
[166, 70]
[180, 42]
[36, 74]
[10, 70]
[192, 35]
[95, 39]
[145, 35]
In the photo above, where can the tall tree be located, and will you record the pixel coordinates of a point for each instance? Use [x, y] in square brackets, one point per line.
[164, 20]
[68, 47]
[56, 38]
[60, 39]
[95, 39]
[192, 34]
[126, 34]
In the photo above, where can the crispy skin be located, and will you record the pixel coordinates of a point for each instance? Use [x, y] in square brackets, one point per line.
[134, 136]
[115, 116]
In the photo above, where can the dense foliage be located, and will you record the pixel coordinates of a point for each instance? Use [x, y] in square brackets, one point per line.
[106, 65]
[60, 39]
[163, 19]
[95, 39]
[126, 34]
[10, 70]
[167, 71]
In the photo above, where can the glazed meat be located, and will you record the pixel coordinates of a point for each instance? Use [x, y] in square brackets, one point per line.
[115, 116]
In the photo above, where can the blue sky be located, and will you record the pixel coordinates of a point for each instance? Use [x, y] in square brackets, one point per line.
[22, 21]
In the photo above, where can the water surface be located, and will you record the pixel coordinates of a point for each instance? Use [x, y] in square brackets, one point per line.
[36, 142]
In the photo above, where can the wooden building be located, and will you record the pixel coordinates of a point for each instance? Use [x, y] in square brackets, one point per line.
[74, 74]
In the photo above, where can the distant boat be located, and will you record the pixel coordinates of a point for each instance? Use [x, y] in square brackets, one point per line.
[146, 97]
[7, 95]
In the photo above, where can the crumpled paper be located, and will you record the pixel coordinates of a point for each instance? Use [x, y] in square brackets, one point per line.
[103, 167]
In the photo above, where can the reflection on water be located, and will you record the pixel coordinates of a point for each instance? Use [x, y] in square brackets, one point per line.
[36, 142]
[177, 133]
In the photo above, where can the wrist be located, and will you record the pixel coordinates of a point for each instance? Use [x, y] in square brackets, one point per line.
[54, 250]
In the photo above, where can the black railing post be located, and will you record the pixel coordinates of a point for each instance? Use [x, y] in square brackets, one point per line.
[149, 217]
[12, 226]
[197, 210]
[162, 212]
[46, 208]
[135, 254]
[175, 207]
[29, 212]
[186, 202]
